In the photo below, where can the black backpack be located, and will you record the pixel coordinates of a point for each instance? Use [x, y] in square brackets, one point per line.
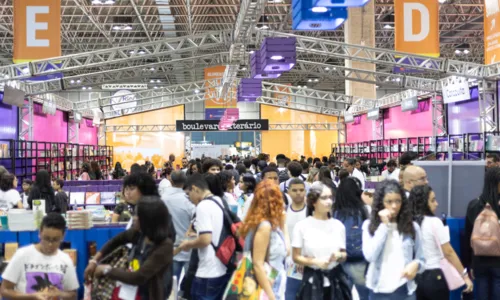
[283, 175]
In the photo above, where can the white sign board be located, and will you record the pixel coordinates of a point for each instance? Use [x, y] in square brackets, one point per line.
[457, 91]
[213, 151]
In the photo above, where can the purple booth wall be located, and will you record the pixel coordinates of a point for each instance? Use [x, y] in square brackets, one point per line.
[8, 121]
[463, 117]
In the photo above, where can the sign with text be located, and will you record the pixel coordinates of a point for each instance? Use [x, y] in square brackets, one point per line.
[348, 117]
[416, 26]
[213, 125]
[409, 104]
[457, 91]
[373, 114]
[211, 100]
[37, 29]
[491, 31]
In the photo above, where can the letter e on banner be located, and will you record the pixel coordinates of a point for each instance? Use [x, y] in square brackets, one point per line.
[37, 29]
[417, 26]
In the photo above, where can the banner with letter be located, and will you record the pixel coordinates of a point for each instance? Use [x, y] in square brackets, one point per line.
[456, 91]
[417, 26]
[491, 31]
[37, 29]
[213, 125]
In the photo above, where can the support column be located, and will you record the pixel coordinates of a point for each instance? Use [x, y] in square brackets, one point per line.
[26, 121]
[73, 132]
[438, 116]
[359, 29]
[488, 106]
[101, 141]
[187, 144]
[257, 141]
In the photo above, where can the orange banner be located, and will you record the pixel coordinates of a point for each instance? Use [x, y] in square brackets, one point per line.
[37, 29]
[417, 26]
[491, 31]
[210, 101]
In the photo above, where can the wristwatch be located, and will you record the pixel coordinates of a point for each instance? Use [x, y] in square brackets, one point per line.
[465, 272]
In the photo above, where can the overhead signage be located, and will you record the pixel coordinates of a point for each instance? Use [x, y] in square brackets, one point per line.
[416, 26]
[373, 114]
[409, 104]
[491, 31]
[37, 29]
[348, 117]
[213, 125]
[457, 91]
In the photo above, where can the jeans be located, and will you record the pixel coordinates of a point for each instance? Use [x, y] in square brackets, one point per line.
[209, 288]
[487, 285]
[356, 272]
[432, 285]
[292, 288]
[400, 294]
[178, 267]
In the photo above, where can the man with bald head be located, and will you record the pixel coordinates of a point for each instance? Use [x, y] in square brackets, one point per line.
[413, 176]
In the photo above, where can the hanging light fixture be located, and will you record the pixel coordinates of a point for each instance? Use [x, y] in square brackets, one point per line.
[308, 16]
[256, 68]
[278, 54]
[249, 90]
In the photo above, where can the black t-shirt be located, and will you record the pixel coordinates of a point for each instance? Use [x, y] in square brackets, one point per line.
[125, 211]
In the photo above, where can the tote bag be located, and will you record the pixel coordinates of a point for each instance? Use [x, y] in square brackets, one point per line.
[453, 278]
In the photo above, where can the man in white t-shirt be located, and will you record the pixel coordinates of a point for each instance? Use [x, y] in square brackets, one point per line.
[295, 170]
[296, 212]
[211, 276]
[349, 165]
[392, 171]
[42, 270]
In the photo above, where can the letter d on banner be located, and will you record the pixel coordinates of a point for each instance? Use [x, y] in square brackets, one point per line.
[37, 29]
[417, 26]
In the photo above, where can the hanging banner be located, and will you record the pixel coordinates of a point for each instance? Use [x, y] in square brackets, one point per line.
[491, 31]
[37, 29]
[211, 100]
[457, 91]
[208, 125]
[417, 26]
[409, 104]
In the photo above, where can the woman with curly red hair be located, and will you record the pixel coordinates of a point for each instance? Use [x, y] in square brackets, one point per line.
[265, 239]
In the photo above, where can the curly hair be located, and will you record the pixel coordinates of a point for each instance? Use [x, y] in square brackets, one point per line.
[267, 205]
[419, 202]
[405, 216]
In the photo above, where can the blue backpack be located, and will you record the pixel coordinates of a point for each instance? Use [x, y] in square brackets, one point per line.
[354, 236]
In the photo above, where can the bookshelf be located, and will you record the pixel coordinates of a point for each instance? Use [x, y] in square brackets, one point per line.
[61, 160]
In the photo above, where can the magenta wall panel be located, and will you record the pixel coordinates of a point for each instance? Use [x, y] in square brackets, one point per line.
[48, 128]
[88, 133]
[360, 130]
[398, 124]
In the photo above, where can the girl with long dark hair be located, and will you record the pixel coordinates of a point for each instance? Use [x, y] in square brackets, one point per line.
[392, 244]
[42, 190]
[118, 172]
[486, 269]
[432, 284]
[319, 244]
[352, 212]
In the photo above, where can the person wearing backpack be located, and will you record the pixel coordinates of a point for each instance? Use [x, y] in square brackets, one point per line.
[211, 275]
[352, 212]
[483, 231]
[295, 170]
[282, 170]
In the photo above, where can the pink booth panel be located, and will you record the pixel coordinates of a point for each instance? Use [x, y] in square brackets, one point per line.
[87, 133]
[50, 128]
[418, 123]
[360, 130]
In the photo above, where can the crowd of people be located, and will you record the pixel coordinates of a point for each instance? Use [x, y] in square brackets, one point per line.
[307, 227]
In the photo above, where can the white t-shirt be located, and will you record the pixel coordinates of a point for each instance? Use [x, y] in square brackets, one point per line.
[433, 226]
[209, 219]
[25, 200]
[9, 199]
[393, 176]
[163, 186]
[393, 262]
[319, 238]
[293, 217]
[31, 271]
[358, 174]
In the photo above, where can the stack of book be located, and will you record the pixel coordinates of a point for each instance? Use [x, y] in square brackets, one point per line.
[79, 219]
[21, 220]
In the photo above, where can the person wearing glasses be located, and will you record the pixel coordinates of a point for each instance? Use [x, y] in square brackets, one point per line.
[42, 271]
[392, 245]
[413, 176]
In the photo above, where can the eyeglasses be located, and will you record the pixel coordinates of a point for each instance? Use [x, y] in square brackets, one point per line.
[51, 241]
[392, 202]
